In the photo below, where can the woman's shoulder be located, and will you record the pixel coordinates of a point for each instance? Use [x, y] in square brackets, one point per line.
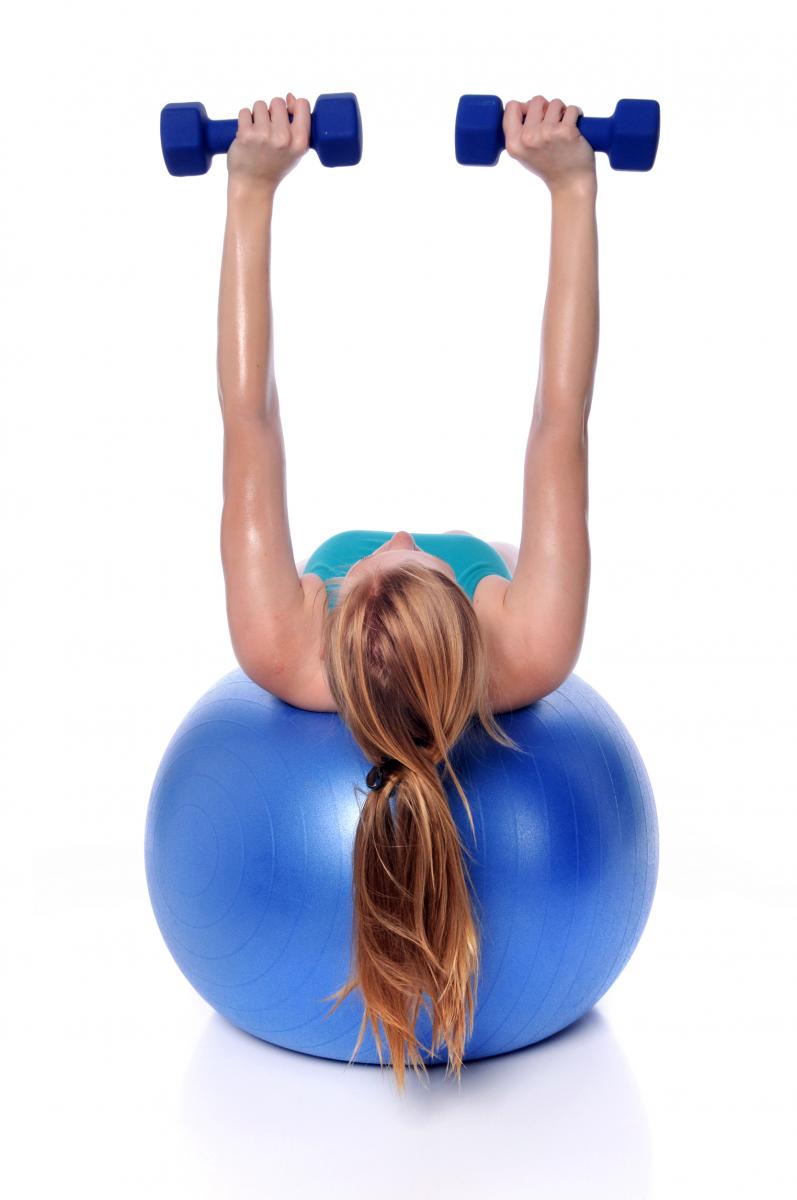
[488, 599]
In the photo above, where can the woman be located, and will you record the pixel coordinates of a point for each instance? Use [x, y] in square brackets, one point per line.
[409, 646]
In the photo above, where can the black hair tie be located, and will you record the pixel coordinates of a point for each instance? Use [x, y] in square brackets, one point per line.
[376, 776]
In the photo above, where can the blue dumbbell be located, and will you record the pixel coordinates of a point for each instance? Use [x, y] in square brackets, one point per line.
[630, 136]
[189, 139]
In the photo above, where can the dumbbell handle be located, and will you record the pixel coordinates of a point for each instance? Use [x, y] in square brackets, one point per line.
[220, 135]
[596, 130]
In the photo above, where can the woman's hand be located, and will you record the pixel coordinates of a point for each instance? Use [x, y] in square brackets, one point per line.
[543, 135]
[267, 145]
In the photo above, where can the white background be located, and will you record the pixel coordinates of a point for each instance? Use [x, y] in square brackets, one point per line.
[408, 295]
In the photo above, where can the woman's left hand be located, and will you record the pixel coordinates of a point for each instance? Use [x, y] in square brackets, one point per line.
[268, 145]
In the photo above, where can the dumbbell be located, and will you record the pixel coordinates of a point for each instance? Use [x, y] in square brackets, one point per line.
[630, 136]
[189, 139]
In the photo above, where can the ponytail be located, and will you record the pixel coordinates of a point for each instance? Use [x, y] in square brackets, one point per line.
[415, 943]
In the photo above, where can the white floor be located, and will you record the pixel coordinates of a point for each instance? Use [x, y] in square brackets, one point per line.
[675, 1085]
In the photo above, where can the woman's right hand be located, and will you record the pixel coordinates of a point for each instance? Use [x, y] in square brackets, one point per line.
[267, 145]
[544, 137]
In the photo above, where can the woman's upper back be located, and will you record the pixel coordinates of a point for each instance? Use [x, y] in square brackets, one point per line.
[470, 558]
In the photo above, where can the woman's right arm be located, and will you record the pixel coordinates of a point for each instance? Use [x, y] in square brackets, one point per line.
[540, 626]
[271, 619]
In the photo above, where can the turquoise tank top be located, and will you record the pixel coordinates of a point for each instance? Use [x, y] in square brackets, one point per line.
[470, 557]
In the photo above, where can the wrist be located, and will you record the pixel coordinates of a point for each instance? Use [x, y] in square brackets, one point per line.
[245, 191]
[581, 189]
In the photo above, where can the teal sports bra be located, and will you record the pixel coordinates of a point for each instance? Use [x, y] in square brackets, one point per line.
[470, 557]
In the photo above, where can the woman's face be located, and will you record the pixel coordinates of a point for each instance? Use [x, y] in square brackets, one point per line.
[398, 548]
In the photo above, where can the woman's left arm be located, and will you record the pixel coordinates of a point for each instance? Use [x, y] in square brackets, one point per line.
[538, 635]
[267, 610]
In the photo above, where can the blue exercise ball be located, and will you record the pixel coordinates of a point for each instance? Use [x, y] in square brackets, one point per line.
[249, 837]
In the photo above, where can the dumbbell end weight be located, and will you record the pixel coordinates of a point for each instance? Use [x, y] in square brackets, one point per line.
[183, 140]
[478, 132]
[337, 129]
[635, 134]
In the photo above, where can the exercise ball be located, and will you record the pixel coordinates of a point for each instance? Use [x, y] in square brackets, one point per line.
[249, 836]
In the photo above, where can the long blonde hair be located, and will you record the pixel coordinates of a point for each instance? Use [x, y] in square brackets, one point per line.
[406, 666]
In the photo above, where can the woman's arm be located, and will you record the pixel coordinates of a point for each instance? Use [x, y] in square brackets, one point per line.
[544, 605]
[266, 609]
